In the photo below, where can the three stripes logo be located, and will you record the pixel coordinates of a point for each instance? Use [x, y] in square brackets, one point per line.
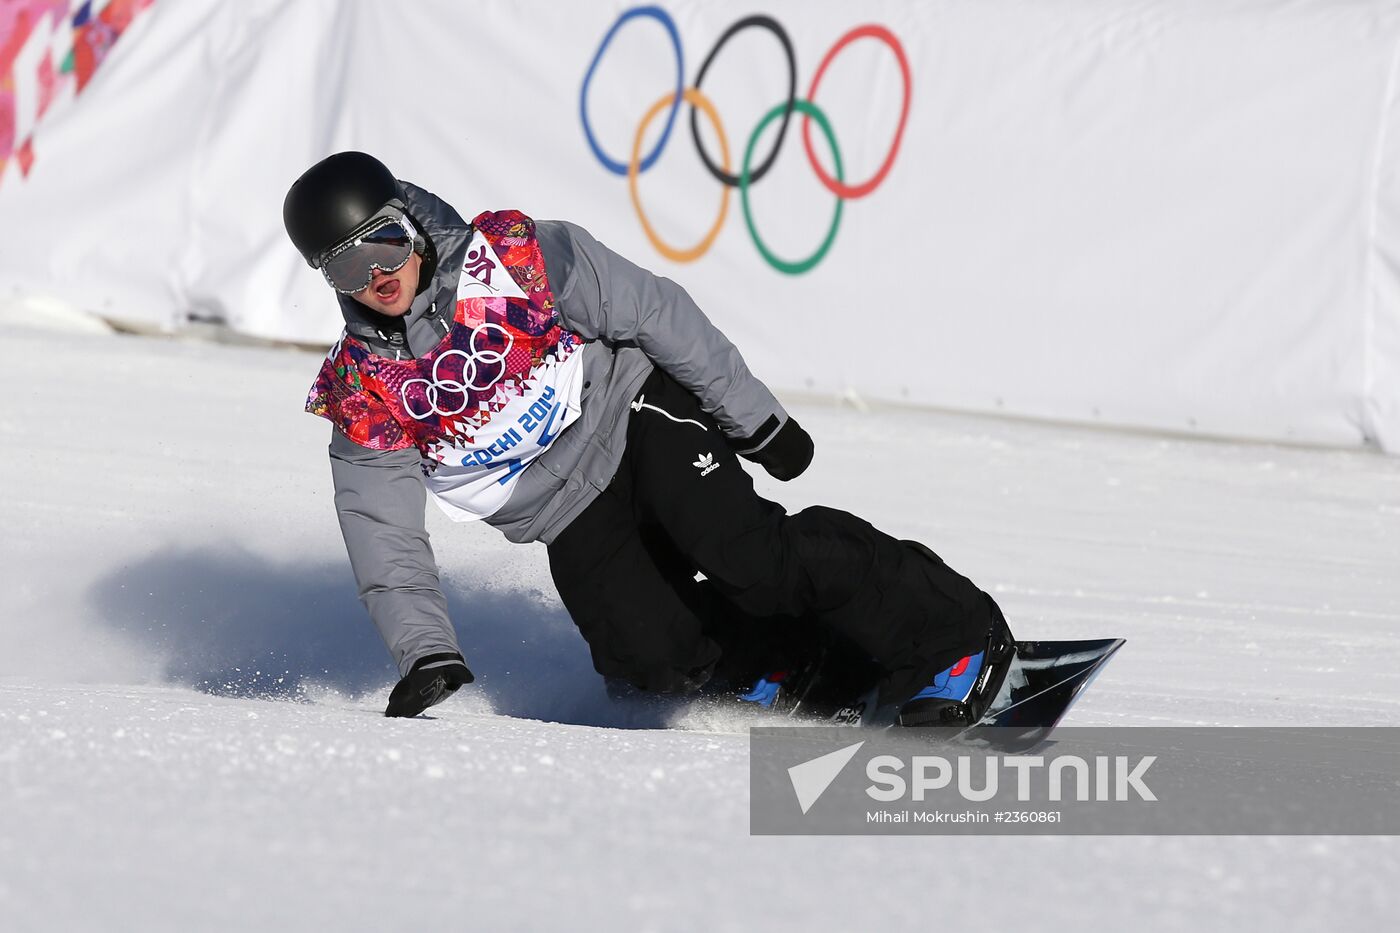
[706, 464]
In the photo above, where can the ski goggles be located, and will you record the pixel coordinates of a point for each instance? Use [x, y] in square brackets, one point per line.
[386, 246]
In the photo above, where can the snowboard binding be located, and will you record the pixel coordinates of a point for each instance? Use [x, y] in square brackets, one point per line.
[952, 712]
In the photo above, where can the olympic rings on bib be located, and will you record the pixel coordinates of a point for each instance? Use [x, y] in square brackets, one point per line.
[437, 384]
[749, 173]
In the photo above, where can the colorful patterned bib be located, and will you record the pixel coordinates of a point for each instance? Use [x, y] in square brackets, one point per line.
[491, 397]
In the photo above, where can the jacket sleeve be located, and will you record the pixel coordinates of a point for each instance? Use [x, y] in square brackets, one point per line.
[607, 296]
[380, 498]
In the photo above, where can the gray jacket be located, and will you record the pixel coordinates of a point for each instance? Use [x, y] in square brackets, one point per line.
[632, 319]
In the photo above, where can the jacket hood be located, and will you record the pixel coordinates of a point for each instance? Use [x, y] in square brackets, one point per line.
[445, 236]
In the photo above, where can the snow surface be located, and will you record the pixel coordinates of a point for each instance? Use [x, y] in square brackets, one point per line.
[190, 695]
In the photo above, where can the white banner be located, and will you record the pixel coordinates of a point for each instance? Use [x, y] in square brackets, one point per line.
[1176, 214]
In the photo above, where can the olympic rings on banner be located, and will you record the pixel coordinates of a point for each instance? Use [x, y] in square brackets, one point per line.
[749, 173]
[664, 18]
[699, 102]
[763, 22]
[808, 110]
[865, 187]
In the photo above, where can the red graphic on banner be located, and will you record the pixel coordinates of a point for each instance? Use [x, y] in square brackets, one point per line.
[88, 37]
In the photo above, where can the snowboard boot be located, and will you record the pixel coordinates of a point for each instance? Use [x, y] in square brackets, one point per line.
[783, 691]
[960, 695]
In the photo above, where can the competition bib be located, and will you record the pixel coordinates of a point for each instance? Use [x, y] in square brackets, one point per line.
[490, 398]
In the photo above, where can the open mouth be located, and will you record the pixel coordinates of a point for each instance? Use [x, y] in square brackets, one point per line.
[387, 290]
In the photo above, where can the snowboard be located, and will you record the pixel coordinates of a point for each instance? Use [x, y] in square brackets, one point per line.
[1029, 694]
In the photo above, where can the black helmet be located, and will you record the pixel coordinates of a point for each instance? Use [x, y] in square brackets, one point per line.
[334, 198]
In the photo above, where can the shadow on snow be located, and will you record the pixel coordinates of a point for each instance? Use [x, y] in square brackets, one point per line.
[233, 624]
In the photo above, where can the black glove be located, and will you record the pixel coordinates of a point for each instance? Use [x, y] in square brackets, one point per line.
[787, 454]
[425, 686]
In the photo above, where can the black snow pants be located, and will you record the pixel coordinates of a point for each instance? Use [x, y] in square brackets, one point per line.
[680, 502]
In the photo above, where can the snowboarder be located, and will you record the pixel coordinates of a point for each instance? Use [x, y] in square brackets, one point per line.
[529, 377]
